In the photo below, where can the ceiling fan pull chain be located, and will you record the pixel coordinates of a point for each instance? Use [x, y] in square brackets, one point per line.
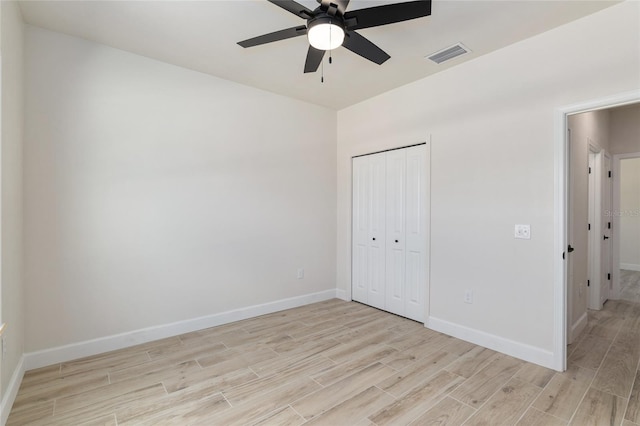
[330, 43]
[322, 72]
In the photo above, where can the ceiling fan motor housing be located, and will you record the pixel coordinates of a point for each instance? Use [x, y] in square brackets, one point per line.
[326, 32]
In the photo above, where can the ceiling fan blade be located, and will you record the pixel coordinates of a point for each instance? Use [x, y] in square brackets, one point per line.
[275, 36]
[363, 47]
[387, 14]
[293, 7]
[314, 57]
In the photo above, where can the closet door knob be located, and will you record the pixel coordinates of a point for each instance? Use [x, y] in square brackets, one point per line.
[374, 238]
[396, 241]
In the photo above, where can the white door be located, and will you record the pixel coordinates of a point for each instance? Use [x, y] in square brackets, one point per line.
[360, 225]
[377, 237]
[389, 243]
[415, 233]
[396, 213]
[595, 233]
[606, 268]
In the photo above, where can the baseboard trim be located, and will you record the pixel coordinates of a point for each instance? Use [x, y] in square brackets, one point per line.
[12, 391]
[342, 295]
[509, 347]
[73, 351]
[578, 327]
[630, 266]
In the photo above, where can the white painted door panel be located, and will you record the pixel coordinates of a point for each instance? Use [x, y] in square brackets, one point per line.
[415, 235]
[360, 224]
[396, 216]
[595, 235]
[376, 238]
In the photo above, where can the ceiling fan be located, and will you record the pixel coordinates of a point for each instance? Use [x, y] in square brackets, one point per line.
[330, 26]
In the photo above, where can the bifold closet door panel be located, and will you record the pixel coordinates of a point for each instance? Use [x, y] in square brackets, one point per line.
[415, 233]
[377, 237]
[395, 221]
[360, 225]
[389, 237]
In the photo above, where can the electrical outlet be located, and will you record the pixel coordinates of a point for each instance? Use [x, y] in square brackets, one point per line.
[468, 296]
[300, 273]
[523, 232]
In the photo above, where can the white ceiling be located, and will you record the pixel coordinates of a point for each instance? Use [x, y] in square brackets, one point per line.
[202, 36]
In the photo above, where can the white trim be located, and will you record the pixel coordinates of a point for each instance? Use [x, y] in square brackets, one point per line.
[105, 344]
[9, 396]
[561, 180]
[506, 346]
[560, 215]
[342, 295]
[427, 232]
[630, 267]
[578, 327]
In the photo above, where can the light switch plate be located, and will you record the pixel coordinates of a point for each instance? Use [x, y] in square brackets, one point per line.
[523, 232]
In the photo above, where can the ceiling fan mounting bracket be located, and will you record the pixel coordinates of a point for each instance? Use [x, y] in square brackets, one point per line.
[325, 18]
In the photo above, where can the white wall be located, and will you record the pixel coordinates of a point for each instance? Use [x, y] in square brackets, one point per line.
[588, 128]
[155, 194]
[11, 284]
[630, 214]
[491, 122]
[625, 129]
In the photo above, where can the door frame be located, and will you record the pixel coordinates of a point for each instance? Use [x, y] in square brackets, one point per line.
[615, 222]
[561, 238]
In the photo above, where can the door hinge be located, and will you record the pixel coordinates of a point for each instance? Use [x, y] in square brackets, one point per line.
[609, 277]
[589, 227]
[588, 283]
[609, 173]
[609, 225]
[589, 170]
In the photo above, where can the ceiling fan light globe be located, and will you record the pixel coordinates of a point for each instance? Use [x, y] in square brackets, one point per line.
[325, 35]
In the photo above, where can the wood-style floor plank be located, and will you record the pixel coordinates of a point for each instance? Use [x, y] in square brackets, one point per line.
[417, 401]
[330, 396]
[354, 408]
[478, 389]
[599, 408]
[507, 405]
[617, 373]
[564, 392]
[632, 413]
[534, 417]
[448, 412]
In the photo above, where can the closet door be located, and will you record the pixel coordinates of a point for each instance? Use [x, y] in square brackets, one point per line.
[360, 225]
[415, 237]
[377, 237]
[389, 237]
[395, 247]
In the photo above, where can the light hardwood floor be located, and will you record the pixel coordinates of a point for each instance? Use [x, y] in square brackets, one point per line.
[340, 363]
[630, 285]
